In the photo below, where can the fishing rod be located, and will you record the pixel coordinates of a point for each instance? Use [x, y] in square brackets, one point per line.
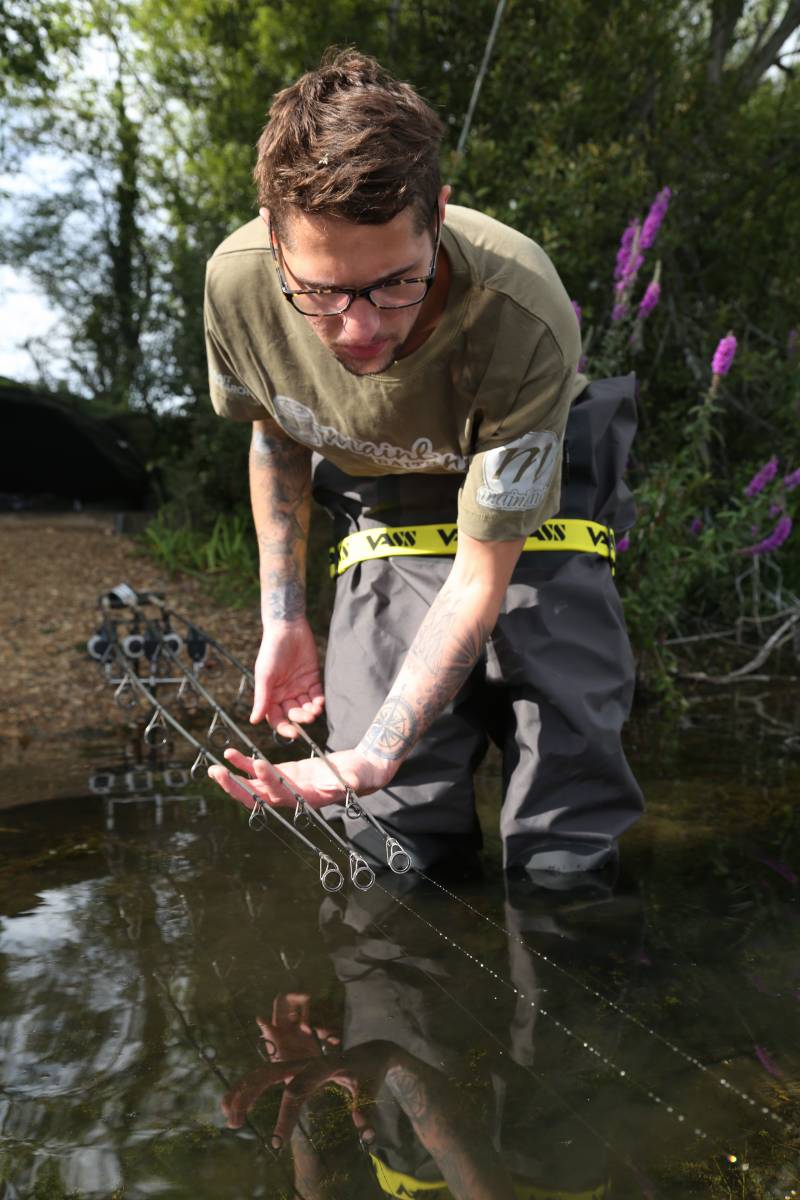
[330, 873]
[146, 641]
[397, 858]
[361, 874]
[115, 656]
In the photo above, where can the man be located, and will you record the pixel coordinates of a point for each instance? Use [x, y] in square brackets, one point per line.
[428, 355]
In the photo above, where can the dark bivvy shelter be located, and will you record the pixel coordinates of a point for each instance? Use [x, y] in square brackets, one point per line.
[55, 452]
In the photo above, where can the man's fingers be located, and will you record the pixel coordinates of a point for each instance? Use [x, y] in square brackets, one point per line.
[259, 701]
[309, 778]
[288, 1115]
[325, 1037]
[268, 1030]
[242, 762]
[278, 719]
[258, 769]
[230, 784]
[303, 715]
[361, 1118]
[293, 1007]
[237, 1103]
[300, 710]
[266, 785]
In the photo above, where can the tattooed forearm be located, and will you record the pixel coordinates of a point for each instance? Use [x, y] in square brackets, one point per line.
[280, 488]
[462, 1152]
[284, 594]
[393, 732]
[445, 647]
[409, 1091]
[442, 655]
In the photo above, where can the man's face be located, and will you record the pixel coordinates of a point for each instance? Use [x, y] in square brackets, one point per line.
[319, 251]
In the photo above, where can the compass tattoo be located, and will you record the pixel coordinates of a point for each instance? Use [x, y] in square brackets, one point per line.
[394, 730]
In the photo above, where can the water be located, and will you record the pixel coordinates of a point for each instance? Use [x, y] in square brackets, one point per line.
[509, 1040]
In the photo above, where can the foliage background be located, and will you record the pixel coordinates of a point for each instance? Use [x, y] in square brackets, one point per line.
[588, 108]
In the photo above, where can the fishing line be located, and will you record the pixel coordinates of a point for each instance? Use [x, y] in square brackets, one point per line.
[694, 1062]
[356, 810]
[207, 1062]
[628, 1016]
[720, 1080]
[540, 1079]
[534, 1004]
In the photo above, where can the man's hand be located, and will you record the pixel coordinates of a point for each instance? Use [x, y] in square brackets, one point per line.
[295, 1055]
[289, 1033]
[287, 677]
[291, 1042]
[310, 777]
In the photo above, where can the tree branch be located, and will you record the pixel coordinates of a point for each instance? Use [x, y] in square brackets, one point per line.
[725, 15]
[761, 58]
[764, 25]
[783, 634]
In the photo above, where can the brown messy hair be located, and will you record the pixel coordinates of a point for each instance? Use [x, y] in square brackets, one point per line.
[348, 140]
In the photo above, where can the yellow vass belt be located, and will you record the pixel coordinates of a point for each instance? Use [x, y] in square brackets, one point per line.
[405, 1187]
[392, 541]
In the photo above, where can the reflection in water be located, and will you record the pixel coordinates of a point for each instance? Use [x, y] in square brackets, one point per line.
[465, 1100]
[134, 782]
[174, 996]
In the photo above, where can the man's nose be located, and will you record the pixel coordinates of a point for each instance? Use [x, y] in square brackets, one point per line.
[361, 321]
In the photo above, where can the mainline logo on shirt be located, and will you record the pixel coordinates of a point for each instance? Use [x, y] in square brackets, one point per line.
[226, 383]
[516, 476]
[301, 424]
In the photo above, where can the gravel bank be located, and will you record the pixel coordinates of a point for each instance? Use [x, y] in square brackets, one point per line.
[53, 568]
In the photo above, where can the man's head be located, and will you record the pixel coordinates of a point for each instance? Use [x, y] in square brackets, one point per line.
[348, 178]
[349, 141]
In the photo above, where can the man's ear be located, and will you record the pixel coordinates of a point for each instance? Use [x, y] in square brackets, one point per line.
[264, 214]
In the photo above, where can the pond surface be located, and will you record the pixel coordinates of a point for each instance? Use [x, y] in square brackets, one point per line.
[165, 974]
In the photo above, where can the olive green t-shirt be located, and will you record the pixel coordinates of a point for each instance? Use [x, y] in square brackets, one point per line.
[486, 396]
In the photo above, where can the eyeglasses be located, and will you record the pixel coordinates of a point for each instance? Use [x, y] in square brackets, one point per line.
[333, 301]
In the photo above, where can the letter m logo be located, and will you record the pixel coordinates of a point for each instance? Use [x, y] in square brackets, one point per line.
[526, 462]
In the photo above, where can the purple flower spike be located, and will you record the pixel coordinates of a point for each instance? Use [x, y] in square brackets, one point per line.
[624, 252]
[652, 222]
[650, 299]
[791, 481]
[762, 478]
[724, 356]
[619, 311]
[623, 544]
[629, 274]
[696, 526]
[775, 539]
[576, 308]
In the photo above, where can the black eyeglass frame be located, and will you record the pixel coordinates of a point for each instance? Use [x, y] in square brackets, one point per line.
[356, 293]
